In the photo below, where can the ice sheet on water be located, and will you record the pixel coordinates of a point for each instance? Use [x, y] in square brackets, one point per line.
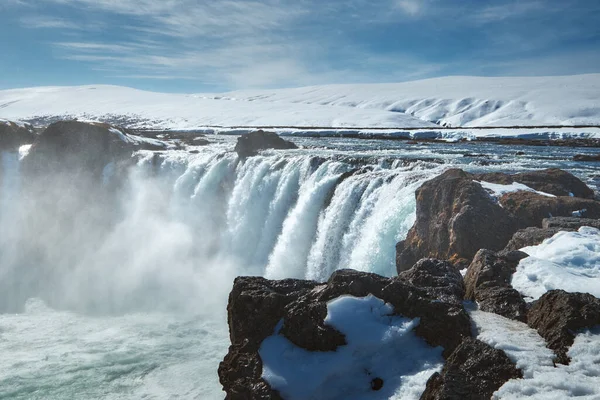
[380, 345]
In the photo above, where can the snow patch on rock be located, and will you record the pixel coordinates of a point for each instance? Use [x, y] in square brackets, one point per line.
[380, 345]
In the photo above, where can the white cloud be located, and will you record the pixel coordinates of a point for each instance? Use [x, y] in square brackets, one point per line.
[47, 22]
[410, 7]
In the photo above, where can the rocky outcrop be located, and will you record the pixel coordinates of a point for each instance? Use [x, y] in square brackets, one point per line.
[533, 236]
[569, 223]
[13, 135]
[456, 216]
[530, 209]
[473, 371]
[488, 282]
[553, 181]
[559, 315]
[257, 305]
[438, 278]
[250, 144]
[83, 147]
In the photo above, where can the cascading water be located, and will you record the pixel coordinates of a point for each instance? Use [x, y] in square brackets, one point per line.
[130, 301]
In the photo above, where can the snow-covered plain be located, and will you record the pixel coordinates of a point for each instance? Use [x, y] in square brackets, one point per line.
[465, 102]
[569, 261]
[380, 345]
[541, 380]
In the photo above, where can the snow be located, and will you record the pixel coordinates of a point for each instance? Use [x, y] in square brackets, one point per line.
[465, 102]
[461, 100]
[569, 261]
[541, 380]
[134, 139]
[497, 190]
[379, 345]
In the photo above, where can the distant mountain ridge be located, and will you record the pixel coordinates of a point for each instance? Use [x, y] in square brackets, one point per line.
[455, 101]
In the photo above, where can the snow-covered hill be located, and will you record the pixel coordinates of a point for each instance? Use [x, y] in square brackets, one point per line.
[454, 101]
[462, 101]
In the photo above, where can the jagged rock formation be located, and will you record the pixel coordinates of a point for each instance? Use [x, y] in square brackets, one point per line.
[250, 144]
[82, 147]
[559, 315]
[488, 282]
[533, 236]
[456, 216]
[256, 305]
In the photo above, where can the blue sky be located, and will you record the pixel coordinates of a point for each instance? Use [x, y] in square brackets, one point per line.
[218, 45]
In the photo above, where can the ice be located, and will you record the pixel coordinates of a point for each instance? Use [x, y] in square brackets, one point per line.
[380, 345]
[569, 261]
[541, 379]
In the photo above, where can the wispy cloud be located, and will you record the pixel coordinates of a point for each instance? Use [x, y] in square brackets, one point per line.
[257, 43]
[47, 22]
[410, 7]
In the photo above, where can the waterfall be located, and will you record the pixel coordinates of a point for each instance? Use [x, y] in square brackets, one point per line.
[181, 217]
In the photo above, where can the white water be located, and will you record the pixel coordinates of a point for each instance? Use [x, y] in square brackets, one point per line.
[130, 300]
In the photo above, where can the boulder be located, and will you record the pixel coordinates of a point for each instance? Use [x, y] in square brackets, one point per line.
[474, 371]
[455, 218]
[252, 143]
[73, 146]
[14, 135]
[488, 282]
[569, 223]
[531, 236]
[257, 306]
[438, 278]
[553, 181]
[559, 315]
[530, 209]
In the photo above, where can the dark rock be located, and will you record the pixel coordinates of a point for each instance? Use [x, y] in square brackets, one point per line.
[473, 371]
[488, 282]
[377, 384]
[257, 305]
[531, 236]
[438, 278]
[553, 181]
[82, 147]
[251, 143]
[587, 157]
[558, 315]
[14, 135]
[530, 209]
[455, 218]
[569, 223]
